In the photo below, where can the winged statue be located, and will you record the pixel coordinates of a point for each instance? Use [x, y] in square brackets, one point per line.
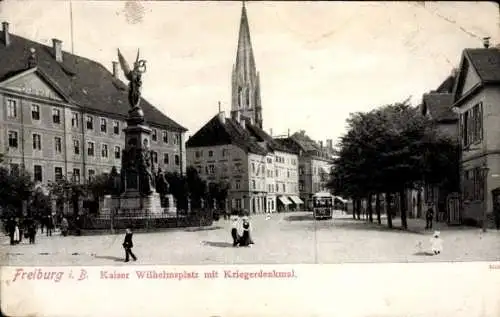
[134, 77]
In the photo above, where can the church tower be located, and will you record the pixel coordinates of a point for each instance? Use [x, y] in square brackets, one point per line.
[245, 102]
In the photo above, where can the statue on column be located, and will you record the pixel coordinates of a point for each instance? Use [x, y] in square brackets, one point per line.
[162, 185]
[134, 77]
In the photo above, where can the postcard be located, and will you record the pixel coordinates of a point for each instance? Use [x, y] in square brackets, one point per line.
[255, 158]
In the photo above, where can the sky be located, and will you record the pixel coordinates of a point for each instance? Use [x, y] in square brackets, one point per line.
[318, 61]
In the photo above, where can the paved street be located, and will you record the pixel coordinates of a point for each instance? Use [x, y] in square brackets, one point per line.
[286, 238]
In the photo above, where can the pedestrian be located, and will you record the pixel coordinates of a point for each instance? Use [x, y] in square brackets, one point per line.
[235, 223]
[43, 221]
[32, 231]
[436, 243]
[429, 216]
[50, 225]
[17, 235]
[246, 239]
[64, 226]
[128, 245]
[11, 226]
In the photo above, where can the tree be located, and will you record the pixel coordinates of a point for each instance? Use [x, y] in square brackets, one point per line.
[14, 189]
[66, 191]
[389, 150]
[197, 187]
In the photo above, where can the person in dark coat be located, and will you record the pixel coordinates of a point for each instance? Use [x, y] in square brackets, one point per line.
[128, 245]
[246, 239]
[50, 225]
[31, 230]
[11, 226]
[429, 216]
[235, 223]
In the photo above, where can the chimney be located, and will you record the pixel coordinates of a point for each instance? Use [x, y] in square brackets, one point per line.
[288, 133]
[235, 115]
[486, 42]
[320, 144]
[271, 131]
[6, 34]
[222, 117]
[115, 69]
[329, 144]
[57, 50]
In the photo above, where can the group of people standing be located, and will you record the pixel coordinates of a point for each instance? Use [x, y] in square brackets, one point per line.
[240, 231]
[27, 228]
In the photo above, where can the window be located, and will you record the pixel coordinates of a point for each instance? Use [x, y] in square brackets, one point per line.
[14, 169]
[472, 125]
[91, 174]
[37, 173]
[277, 187]
[13, 139]
[301, 185]
[104, 127]
[74, 119]
[237, 203]
[76, 147]
[284, 188]
[198, 168]
[116, 127]
[154, 136]
[177, 160]
[118, 152]
[288, 174]
[165, 158]
[164, 136]
[90, 122]
[154, 157]
[237, 184]
[253, 184]
[210, 153]
[76, 175]
[11, 109]
[35, 112]
[56, 116]
[474, 184]
[37, 142]
[253, 168]
[58, 174]
[225, 152]
[198, 154]
[211, 169]
[177, 138]
[90, 148]
[104, 150]
[58, 144]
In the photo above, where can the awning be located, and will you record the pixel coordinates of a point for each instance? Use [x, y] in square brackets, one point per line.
[326, 169]
[342, 200]
[296, 200]
[284, 200]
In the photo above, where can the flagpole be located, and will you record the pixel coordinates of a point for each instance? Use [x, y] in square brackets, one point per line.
[71, 25]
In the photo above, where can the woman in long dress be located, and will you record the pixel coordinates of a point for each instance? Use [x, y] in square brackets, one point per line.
[246, 239]
[17, 236]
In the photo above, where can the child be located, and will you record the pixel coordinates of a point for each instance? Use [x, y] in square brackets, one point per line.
[234, 230]
[436, 243]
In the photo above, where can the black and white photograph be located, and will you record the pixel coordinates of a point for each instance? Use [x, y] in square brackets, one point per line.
[255, 132]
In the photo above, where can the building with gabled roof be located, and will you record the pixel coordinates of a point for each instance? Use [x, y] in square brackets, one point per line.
[476, 96]
[63, 114]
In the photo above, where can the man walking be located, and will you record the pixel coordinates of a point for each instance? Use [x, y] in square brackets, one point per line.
[429, 215]
[128, 245]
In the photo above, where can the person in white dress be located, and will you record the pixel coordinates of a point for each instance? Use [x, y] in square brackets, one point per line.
[17, 236]
[436, 243]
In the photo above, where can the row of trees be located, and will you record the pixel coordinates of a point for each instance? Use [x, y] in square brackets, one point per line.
[19, 188]
[389, 150]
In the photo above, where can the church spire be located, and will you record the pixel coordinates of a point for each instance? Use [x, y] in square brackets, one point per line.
[245, 82]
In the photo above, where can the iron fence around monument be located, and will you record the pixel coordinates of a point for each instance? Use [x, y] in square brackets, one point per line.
[146, 220]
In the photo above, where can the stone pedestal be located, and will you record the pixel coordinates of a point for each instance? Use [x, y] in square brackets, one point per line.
[170, 207]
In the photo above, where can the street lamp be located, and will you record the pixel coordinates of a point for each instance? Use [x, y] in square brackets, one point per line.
[484, 170]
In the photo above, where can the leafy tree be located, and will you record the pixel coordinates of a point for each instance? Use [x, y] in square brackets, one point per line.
[64, 190]
[197, 187]
[389, 150]
[14, 189]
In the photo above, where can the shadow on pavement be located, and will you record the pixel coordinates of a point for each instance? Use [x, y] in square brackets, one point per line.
[106, 257]
[299, 217]
[424, 253]
[202, 229]
[218, 244]
[362, 225]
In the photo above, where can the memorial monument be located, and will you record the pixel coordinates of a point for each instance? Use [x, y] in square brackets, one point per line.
[137, 179]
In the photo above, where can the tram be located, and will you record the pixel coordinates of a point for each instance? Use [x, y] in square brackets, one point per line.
[322, 204]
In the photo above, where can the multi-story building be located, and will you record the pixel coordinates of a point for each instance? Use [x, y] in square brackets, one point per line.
[262, 173]
[437, 106]
[476, 96]
[315, 163]
[64, 115]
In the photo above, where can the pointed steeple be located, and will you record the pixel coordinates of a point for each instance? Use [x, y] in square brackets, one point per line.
[245, 81]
